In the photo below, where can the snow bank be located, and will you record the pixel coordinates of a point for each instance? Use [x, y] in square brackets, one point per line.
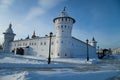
[14, 67]
[16, 61]
[7, 58]
[47, 75]
[75, 60]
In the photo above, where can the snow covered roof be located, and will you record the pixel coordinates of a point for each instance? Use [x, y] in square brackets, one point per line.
[34, 38]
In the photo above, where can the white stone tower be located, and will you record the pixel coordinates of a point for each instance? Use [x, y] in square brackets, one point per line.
[63, 25]
[93, 42]
[8, 37]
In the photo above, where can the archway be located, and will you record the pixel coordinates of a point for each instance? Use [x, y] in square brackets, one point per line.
[20, 51]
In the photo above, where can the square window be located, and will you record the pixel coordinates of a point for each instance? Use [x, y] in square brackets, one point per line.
[44, 43]
[41, 43]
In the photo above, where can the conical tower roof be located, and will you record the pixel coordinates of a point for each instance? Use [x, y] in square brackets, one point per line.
[9, 30]
[64, 14]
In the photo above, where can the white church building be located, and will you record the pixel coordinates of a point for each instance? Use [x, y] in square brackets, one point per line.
[63, 44]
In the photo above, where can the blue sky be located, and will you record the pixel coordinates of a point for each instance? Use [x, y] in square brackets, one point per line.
[98, 18]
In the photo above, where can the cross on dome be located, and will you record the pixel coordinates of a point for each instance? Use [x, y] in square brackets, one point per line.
[10, 25]
[64, 13]
[64, 8]
[9, 30]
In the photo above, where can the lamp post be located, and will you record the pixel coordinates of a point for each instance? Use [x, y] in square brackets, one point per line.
[98, 49]
[98, 52]
[49, 57]
[87, 50]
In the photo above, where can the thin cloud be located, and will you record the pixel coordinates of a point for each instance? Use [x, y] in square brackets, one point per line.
[5, 4]
[43, 6]
[49, 3]
[34, 12]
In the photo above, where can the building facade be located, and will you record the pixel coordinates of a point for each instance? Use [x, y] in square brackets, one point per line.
[116, 51]
[63, 44]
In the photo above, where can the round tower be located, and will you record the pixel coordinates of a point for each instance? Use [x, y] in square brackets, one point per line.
[8, 37]
[63, 25]
[93, 43]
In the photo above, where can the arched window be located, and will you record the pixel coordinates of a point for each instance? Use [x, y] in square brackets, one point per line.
[29, 43]
[65, 26]
[69, 19]
[61, 26]
[65, 54]
[44, 43]
[41, 43]
[62, 19]
[66, 19]
[58, 54]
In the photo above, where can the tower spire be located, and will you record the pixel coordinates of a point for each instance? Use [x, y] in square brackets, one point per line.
[93, 42]
[33, 36]
[93, 39]
[34, 32]
[10, 25]
[64, 9]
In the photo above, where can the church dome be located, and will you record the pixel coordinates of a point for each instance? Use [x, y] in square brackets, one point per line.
[9, 30]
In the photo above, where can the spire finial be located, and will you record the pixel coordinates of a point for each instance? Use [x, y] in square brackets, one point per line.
[10, 25]
[64, 9]
[34, 32]
[33, 36]
[93, 39]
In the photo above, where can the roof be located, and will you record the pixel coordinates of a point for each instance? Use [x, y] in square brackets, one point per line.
[64, 14]
[32, 38]
[9, 30]
[81, 41]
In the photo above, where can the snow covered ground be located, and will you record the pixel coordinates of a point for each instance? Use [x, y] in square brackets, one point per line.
[15, 67]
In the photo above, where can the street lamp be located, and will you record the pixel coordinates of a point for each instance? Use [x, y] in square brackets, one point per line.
[87, 50]
[49, 57]
[98, 49]
[98, 52]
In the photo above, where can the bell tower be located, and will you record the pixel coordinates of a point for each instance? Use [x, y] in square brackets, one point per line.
[63, 25]
[8, 37]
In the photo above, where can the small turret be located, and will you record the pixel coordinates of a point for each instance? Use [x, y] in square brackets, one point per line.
[8, 38]
[27, 37]
[33, 36]
[93, 42]
[64, 13]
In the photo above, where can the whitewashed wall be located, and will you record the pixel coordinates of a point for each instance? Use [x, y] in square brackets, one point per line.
[37, 47]
[79, 49]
